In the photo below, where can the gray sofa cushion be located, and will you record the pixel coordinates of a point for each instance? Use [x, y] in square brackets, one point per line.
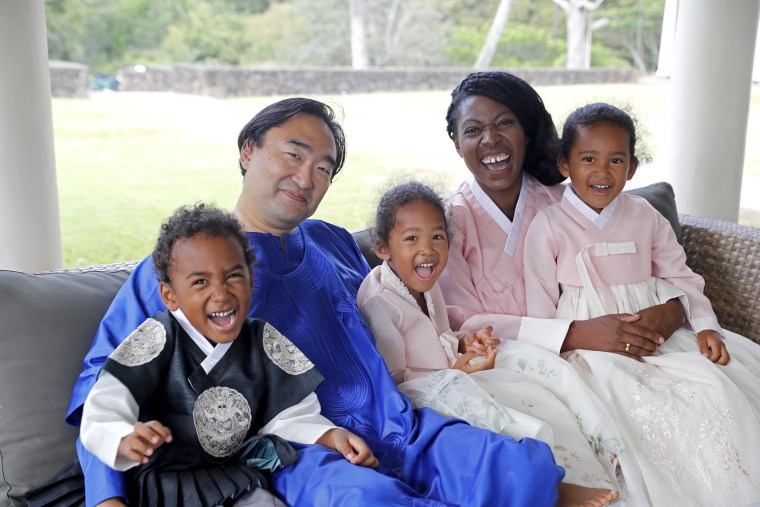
[663, 199]
[48, 322]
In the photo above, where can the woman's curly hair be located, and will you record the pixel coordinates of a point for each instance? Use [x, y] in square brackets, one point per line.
[514, 93]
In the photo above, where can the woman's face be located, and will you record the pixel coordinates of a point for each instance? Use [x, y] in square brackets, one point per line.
[491, 140]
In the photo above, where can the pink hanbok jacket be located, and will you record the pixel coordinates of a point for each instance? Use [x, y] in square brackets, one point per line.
[560, 232]
[393, 314]
[483, 283]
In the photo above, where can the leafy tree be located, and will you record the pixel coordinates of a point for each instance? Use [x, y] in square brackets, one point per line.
[210, 34]
[406, 33]
[634, 31]
[101, 32]
[244, 6]
[298, 33]
[526, 46]
[110, 34]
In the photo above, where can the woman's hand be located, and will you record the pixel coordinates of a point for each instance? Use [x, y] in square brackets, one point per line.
[635, 336]
[618, 333]
[712, 347]
[351, 446]
[139, 445]
[664, 319]
[463, 363]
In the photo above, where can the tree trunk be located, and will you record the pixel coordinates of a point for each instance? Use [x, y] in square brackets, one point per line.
[494, 34]
[359, 53]
[578, 31]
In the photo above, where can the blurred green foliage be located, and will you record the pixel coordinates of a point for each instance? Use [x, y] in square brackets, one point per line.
[111, 34]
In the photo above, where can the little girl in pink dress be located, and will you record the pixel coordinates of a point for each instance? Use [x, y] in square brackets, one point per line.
[688, 414]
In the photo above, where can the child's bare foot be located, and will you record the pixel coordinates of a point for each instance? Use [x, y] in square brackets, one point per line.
[572, 495]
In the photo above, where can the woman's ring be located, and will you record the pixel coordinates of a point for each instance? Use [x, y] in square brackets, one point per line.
[627, 347]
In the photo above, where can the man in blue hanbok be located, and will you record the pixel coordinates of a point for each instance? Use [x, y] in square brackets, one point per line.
[306, 276]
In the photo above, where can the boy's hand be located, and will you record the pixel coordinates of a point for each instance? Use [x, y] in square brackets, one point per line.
[351, 446]
[463, 363]
[712, 347]
[479, 342]
[112, 502]
[139, 445]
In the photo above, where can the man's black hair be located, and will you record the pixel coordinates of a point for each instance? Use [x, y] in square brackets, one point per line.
[278, 113]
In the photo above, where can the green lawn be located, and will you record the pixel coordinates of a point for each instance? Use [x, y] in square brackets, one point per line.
[125, 161]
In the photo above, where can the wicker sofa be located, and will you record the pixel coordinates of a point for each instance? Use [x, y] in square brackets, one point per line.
[48, 321]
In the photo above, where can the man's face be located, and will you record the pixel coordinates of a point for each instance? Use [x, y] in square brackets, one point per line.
[289, 174]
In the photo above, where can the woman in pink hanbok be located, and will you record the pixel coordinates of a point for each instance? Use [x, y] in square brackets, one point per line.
[502, 131]
[689, 413]
[436, 368]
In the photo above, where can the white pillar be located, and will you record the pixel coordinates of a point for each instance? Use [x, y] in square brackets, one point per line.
[709, 104]
[756, 66]
[30, 237]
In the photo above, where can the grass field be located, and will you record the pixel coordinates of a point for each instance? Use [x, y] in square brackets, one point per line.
[125, 161]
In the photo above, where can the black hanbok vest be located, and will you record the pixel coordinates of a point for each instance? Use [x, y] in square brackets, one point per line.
[216, 454]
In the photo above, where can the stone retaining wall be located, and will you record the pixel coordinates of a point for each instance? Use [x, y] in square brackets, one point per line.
[236, 82]
[69, 79]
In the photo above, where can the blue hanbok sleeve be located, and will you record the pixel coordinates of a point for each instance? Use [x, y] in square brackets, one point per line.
[101, 481]
[138, 299]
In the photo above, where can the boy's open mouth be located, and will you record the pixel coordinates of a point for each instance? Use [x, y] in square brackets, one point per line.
[223, 320]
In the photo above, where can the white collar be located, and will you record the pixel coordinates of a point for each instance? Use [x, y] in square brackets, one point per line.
[498, 216]
[598, 219]
[213, 353]
[403, 291]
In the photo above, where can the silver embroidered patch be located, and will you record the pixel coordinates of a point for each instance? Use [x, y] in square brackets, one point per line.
[222, 418]
[142, 345]
[284, 353]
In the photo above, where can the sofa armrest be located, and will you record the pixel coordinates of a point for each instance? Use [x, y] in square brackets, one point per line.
[727, 255]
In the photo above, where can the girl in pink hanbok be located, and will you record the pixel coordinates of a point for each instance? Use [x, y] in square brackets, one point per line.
[453, 373]
[689, 412]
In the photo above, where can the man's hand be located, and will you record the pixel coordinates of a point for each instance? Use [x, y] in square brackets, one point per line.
[139, 445]
[351, 446]
[712, 347]
[618, 333]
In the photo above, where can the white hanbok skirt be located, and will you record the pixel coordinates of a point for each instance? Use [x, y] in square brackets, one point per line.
[693, 427]
[513, 399]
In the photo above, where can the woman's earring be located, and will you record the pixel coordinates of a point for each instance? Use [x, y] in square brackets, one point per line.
[459, 151]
